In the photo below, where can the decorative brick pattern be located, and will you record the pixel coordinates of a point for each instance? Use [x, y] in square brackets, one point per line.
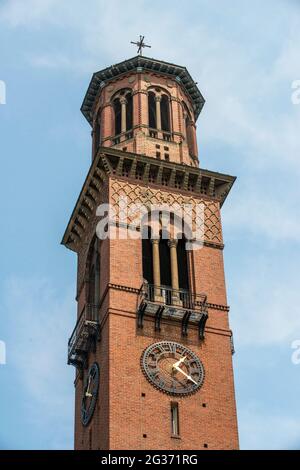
[144, 195]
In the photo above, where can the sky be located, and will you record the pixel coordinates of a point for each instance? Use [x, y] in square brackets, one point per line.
[245, 58]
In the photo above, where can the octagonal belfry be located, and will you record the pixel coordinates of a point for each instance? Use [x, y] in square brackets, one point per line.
[145, 106]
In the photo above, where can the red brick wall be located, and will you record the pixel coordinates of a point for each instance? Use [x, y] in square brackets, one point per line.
[122, 415]
[100, 422]
[132, 416]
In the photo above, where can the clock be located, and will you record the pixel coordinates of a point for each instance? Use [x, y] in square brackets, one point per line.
[172, 368]
[90, 394]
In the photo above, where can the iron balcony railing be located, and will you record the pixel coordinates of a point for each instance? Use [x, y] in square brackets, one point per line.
[164, 303]
[85, 331]
[169, 296]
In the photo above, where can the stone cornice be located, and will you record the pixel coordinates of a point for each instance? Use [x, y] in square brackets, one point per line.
[136, 65]
[134, 290]
[144, 170]
[86, 204]
[195, 181]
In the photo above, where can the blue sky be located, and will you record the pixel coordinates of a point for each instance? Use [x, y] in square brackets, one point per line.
[244, 58]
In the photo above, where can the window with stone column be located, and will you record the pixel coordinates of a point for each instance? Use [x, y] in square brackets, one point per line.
[188, 126]
[123, 114]
[147, 257]
[159, 113]
[165, 261]
[165, 113]
[152, 110]
[117, 111]
[182, 259]
[164, 258]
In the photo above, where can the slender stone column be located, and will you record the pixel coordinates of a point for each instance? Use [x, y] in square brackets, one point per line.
[174, 264]
[156, 269]
[158, 114]
[156, 262]
[174, 272]
[123, 102]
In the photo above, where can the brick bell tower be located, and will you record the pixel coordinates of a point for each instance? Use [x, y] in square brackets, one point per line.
[152, 347]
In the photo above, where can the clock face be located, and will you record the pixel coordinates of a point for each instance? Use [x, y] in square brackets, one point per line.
[90, 394]
[172, 368]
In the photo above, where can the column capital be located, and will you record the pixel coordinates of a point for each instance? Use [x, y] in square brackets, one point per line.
[173, 242]
[157, 98]
[155, 241]
[123, 100]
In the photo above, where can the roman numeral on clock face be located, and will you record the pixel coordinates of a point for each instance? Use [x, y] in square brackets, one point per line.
[172, 367]
[161, 383]
[154, 372]
[172, 348]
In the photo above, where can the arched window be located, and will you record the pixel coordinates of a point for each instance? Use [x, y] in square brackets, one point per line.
[188, 133]
[152, 110]
[183, 276]
[97, 132]
[165, 113]
[117, 110]
[92, 277]
[129, 111]
[188, 129]
[165, 260]
[123, 110]
[147, 254]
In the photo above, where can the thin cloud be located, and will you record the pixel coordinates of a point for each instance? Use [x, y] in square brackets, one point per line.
[264, 305]
[268, 431]
[40, 321]
[31, 13]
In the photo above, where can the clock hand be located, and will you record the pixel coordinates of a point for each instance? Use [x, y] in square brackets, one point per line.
[177, 364]
[186, 375]
[87, 393]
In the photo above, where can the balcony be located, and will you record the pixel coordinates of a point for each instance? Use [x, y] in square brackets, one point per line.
[84, 336]
[165, 303]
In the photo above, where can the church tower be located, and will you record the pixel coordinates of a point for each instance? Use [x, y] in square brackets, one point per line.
[152, 347]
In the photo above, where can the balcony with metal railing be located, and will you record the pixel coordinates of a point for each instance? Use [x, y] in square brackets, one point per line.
[84, 336]
[164, 303]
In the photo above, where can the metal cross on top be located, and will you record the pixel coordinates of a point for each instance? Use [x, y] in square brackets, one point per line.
[140, 44]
